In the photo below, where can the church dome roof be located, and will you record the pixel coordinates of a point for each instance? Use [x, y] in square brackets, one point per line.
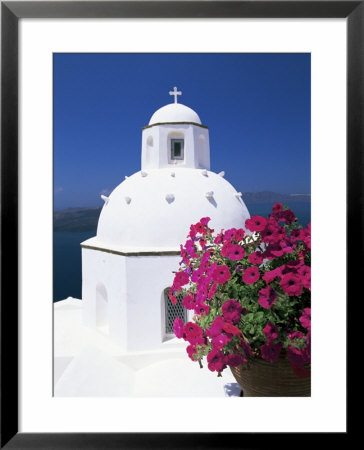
[154, 209]
[174, 112]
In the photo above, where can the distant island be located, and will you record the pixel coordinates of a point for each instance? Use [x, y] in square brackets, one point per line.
[85, 219]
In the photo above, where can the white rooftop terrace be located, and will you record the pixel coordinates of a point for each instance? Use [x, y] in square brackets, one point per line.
[87, 363]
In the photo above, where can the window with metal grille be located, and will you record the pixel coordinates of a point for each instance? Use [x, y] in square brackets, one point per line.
[172, 311]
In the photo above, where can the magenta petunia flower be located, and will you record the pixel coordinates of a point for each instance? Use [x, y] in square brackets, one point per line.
[271, 233]
[212, 291]
[277, 208]
[291, 284]
[216, 360]
[181, 278]
[231, 329]
[217, 326]
[229, 234]
[305, 319]
[205, 221]
[235, 360]
[202, 309]
[287, 215]
[246, 348]
[235, 252]
[268, 277]
[189, 301]
[221, 274]
[220, 341]
[255, 258]
[270, 331]
[271, 351]
[231, 310]
[219, 238]
[256, 223]
[178, 327]
[305, 272]
[193, 333]
[267, 297]
[239, 234]
[191, 351]
[280, 248]
[295, 355]
[251, 275]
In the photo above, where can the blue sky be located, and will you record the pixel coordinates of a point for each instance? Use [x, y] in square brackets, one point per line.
[257, 108]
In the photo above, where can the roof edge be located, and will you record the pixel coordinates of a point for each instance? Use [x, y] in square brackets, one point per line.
[174, 123]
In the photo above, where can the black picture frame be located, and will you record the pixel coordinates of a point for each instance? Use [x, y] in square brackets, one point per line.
[11, 12]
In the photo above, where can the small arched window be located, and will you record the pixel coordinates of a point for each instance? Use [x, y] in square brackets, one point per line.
[172, 311]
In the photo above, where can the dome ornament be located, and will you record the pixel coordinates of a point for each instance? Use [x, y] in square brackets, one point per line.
[204, 173]
[222, 173]
[173, 174]
[238, 194]
[209, 194]
[170, 198]
[143, 174]
[106, 199]
[175, 93]
[128, 200]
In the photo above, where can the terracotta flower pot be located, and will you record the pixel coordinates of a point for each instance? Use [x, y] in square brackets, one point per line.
[260, 378]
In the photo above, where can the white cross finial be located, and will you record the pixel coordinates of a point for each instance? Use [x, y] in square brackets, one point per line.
[175, 93]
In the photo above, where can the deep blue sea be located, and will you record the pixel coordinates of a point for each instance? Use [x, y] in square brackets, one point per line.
[67, 251]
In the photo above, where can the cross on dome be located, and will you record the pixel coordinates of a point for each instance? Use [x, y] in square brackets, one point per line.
[175, 93]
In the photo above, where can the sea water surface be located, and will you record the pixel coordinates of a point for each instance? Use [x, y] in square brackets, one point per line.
[67, 250]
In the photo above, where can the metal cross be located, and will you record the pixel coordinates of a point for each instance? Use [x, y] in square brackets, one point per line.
[175, 93]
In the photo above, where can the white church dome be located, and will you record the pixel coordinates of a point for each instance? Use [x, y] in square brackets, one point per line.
[174, 112]
[154, 209]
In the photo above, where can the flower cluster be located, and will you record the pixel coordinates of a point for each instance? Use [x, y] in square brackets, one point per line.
[249, 292]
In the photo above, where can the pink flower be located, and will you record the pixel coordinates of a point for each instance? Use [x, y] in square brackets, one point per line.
[291, 284]
[221, 274]
[231, 311]
[189, 301]
[267, 297]
[216, 361]
[191, 351]
[231, 329]
[305, 272]
[277, 208]
[193, 333]
[229, 234]
[256, 223]
[235, 252]
[178, 327]
[202, 309]
[255, 258]
[251, 275]
[268, 277]
[271, 233]
[205, 221]
[172, 298]
[219, 238]
[239, 235]
[246, 348]
[280, 248]
[295, 355]
[305, 319]
[271, 351]
[216, 326]
[220, 341]
[235, 360]
[181, 278]
[212, 291]
[270, 331]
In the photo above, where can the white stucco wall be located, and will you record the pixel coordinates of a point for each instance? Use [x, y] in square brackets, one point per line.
[196, 143]
[135, 302]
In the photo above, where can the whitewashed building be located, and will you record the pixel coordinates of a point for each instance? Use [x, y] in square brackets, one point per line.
[128, 266]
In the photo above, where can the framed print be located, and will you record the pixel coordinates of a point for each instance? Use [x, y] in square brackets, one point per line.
[53, 52]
